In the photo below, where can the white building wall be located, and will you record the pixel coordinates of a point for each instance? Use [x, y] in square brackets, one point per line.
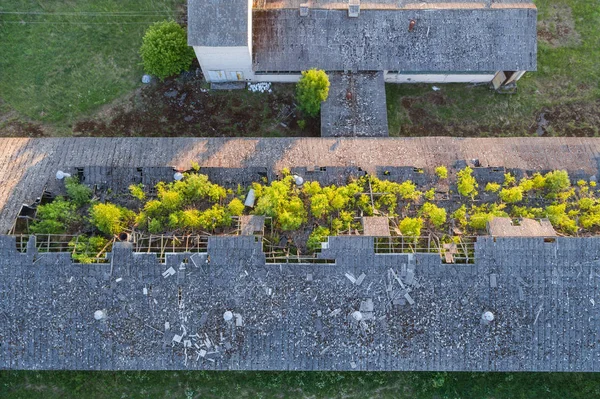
[220, 64]
[277, 78]
[437, 78]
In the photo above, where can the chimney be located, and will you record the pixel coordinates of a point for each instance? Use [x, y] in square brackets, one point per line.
[411, 25]
[353, 8]
[487, 317]
[304, 9]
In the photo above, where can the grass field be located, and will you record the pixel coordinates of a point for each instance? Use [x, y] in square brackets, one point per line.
[566, 86]
[63, 59]
[185, 385]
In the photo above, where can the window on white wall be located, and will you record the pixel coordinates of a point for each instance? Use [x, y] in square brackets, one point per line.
[217, 76]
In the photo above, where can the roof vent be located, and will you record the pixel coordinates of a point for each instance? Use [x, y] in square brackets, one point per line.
[304, 10]
[487, 317]
[353, 8]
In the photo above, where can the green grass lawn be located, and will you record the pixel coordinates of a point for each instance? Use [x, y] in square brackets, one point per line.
[567, 80]
[64, 59]
[199, 384]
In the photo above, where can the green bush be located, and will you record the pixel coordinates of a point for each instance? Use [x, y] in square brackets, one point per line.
[511, 195]
[411, 227]
[509, 180]
[165, 51]
[460, 215]
[155, 226]
[557, 181]
[557, 214]
[492, 187]
[137, 191]
[441, 172]
[311, 90]
[281, 202]
[481, 215]
[78, 193]
[317, 236]
[86, 249]
[110, 218]
[236, 207]
[55, 217]
[466, 183]
[430, 194]
[435, 214]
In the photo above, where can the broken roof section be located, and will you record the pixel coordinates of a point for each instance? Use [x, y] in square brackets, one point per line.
[218, 23]
[441, 40]
[376, 226]
[507, 227]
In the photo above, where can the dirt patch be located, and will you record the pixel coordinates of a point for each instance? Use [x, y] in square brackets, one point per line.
[557, 29]
[574, 120]
[187, 107]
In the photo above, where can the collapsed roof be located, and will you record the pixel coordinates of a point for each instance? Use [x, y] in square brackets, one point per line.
[364, 311]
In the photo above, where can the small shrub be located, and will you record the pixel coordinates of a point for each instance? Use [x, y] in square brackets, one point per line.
[236, 207]
[86, 249]
[526, 185]
[317, 236]
[466, 183]
[408, 191]
[430, 194]
[511, 195]
[411, 227]
[319, 205]
[109, 218]
[460, 215]
[311, 90]
[165, 51]
[302, 124]
[441, 172]
[79, 193]
[558, 217]
[557, 181]
[525, 212]
[492, 187]
[137, 191]
[55, 217]
[435, 214]
[195, 166]
[509, 180]
[155, 226]
[539, 181]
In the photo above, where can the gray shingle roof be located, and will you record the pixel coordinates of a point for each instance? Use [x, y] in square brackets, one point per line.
[218, 22]
[442, 40]
[543, 295]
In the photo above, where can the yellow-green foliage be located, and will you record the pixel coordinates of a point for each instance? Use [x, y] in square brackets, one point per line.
[492, 187]
[441, 172]
[466, 183]
[525, 212]
[195, 166]
[281, 202]
[590, 217]
[317, 236]
[311, 90]
[557, 181]
[526, 185]
[342, 223]
[539, 181]
[460, 215]
[137, 191]
[481, 215]
[78, 193]
[435, 214]
[512, 194]
[236, 207]
[509, 180]
[411, 227]
[430, 194]
[560, 219]
[110, 218]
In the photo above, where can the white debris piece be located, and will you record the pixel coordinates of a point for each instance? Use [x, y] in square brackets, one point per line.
[177, 338]
[169, 272]
[202, 353]
[335, 312]
[145, 291]
[593, 302]
[261, 87]
[435, 88]
[187, 343]
[351, 278]
[119, 279]
[238, 320]
[167, 325]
